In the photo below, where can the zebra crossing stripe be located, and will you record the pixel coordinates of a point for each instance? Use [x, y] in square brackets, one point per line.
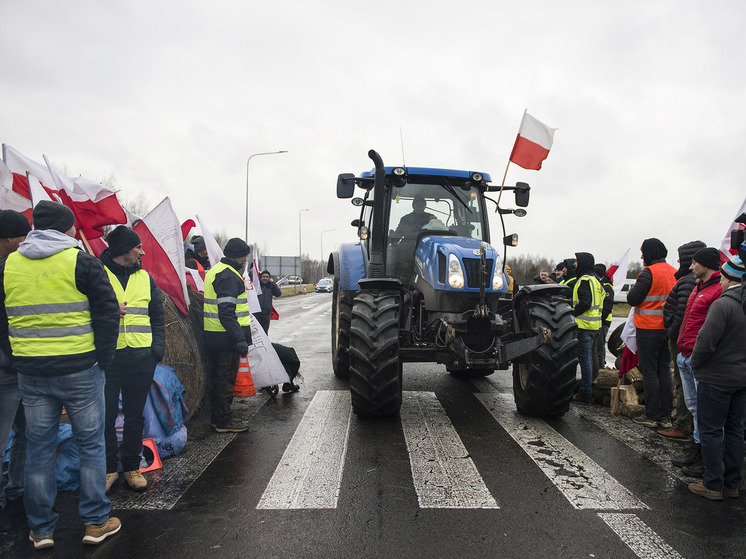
[310, 471]
[645, 543]
[443, 473]
[581, 480]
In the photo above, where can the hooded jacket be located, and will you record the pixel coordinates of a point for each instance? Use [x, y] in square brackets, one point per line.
[91, 280]
[228, 285]
[584, 266]
[673, 310]
[719, 356]
[155, 307]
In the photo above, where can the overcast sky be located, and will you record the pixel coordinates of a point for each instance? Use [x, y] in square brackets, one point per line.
[172, 98]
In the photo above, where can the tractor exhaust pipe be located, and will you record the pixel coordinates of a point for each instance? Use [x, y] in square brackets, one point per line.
[377, 266]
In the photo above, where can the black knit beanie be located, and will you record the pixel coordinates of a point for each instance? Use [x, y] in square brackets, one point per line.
[708, 257]
[13, 224]
[51, 215]
[121, 240]
[236, 248]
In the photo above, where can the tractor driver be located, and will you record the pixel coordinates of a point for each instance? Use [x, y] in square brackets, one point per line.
[415, 221]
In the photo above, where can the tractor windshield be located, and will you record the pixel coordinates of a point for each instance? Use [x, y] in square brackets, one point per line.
[436, 208]
[417, 207]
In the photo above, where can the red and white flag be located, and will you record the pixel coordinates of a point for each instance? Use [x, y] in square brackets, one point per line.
[618, 272]
[10, 200]
[20, 166]
[532, 144]
[214, 252]
[160, 233]
[725, 251]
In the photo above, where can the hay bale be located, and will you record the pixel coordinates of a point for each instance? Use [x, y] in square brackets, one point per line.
[184, 349]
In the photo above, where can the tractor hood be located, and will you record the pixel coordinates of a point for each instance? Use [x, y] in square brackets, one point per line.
[434, 263]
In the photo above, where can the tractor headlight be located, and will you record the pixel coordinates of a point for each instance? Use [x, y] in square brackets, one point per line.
[364, 233]
[455, 272]
[497, 276]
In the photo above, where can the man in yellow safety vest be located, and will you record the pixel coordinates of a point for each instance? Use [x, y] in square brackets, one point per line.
[227, 331]
[140, 346]
[587, 302]
[59, 311]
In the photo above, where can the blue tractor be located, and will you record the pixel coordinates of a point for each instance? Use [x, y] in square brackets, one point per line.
[423, 284]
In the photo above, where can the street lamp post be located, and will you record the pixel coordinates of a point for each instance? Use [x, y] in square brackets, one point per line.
[247, 185]
[300, 242]
[322, 243]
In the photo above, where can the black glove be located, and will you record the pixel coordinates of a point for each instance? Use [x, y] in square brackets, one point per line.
[243, 348]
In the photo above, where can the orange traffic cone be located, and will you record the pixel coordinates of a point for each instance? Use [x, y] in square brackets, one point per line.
[150, 448]
[244, 386]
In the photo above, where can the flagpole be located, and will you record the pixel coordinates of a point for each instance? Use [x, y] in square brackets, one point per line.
[85, 242]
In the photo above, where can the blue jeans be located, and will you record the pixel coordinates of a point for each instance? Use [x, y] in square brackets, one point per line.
[689, 387]
[11, 416]
[721, 413]
[585, 346]
[82, 394]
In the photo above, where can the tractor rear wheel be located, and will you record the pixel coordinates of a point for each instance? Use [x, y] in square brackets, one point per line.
[341, 317]
[375, 368]
[544, 380]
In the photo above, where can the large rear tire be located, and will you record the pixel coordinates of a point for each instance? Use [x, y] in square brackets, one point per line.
[375, 368]
[544, 380]
[341, 318]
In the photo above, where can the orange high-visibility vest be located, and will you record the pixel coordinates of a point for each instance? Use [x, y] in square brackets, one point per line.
[649, 313]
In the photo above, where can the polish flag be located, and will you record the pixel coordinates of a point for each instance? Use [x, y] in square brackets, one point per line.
[20, 165]
[725, 251]
[532, 144]
[10, 200]
[618, 272]
[160, 233]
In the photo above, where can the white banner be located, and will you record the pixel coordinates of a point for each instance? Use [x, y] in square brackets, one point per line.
[266, 367]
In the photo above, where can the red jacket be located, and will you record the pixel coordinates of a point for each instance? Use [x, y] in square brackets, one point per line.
[703, 295]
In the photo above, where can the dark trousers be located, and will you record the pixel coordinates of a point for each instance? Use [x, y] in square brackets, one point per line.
[655, 365]
[683, 419]
[720, 415]
[131, 373]
[264, 319]
[223, 367]
[602, 332]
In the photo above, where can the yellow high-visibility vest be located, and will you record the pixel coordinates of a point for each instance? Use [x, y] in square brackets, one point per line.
[590, 319]
[36, 326]
[134, 327]
[608, 318]
[211, 318]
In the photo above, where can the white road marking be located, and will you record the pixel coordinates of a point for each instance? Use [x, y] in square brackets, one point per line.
[645, 543]
[443, 473]
[310, 471]
[581, 480]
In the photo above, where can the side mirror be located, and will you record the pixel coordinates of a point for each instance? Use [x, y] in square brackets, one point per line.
[345, 185]
[522, 191]
[355, 223]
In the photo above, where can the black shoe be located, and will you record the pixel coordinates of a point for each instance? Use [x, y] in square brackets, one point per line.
[695, 470]
[271, 391]
[232, 427]
[14, 507]
[290, 387]
[693, 455]
[583, 398]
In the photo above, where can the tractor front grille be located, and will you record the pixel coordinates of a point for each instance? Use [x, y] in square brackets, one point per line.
[471, 266]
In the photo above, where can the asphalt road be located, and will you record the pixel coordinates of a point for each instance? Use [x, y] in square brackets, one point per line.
[459, 474]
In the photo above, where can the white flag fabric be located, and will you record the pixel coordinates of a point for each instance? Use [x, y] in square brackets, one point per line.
[20, 164]
[257, 271]
[619, 272]
[37, 192]
[266, 367]
[725, 244]
[629, 332]
[199, 283]
[214, 252]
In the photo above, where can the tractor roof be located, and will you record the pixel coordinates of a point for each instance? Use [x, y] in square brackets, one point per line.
[429, 172]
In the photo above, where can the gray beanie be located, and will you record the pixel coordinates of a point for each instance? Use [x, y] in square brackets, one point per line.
[51, 215]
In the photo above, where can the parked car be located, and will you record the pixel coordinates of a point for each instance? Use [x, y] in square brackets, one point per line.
[325, 285]
[290, 280]
[621, 297]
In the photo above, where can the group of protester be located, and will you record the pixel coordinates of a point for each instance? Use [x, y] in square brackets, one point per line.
[696, 317]
[76, 332]
[693, 318]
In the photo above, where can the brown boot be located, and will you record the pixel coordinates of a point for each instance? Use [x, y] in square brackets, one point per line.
[110, 479]
[135, 480]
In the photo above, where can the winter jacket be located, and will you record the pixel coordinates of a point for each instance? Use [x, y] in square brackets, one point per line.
[269, 290]
[719, 356]
[585, 263]
[702, 296]
[228, 286]
[644, 283]
[8, 375]
[91, 280]
[673, 310]
[155, 307]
